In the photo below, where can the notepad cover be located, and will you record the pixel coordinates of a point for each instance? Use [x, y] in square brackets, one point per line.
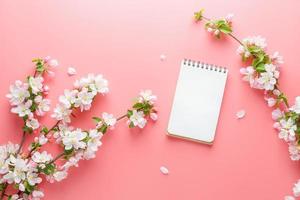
[197, 101]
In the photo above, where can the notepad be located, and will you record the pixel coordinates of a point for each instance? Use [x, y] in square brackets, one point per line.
[197, 101]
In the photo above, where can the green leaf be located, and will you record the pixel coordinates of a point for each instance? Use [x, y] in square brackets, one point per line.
[225, 29]
[97, 119]
[220, 23]
[49, 169]
[27, 129]
[131, 125]
[298, 131]
[129, 113]
[45, 130]
[35, 145]
[260, 67]
[259, 62]
[69, 151]
[25, 118]
[55, 129]
[33, 107]
[138, 105]
[147, 108]
[283, 98]
[28, 188]
[103, 128]
[198, 15]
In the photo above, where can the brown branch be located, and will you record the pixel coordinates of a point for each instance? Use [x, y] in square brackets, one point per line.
[21, 143]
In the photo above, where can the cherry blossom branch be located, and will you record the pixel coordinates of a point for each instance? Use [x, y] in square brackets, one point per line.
[224, 26]
[144, 107]
[62, 154]
[263, 74]
[26, 172]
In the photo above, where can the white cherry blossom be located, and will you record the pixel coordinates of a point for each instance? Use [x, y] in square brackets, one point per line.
[93, 144]
[23, 109]
[137, 119]
[37, 195]
[41, 139]
[296, 107]
[73, 139]
[276, 58]
[267, 80]
[33, 178]
[146, 95]
[36, 84]
[109, 119]
[41, 157]
[62, 113]
[85, 99]
[276, 114]
[18, 93]
[287, 129]
[33, 123]
[69, 98]
[43, 105]
[296, 189]
[60, 175]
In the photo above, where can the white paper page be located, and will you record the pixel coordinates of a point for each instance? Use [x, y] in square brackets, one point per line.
[197, 101]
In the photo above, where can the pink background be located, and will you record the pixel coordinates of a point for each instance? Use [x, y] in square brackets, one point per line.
[123, 40]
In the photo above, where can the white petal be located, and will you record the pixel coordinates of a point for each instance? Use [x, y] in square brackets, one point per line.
[71, 71]
[162, 57]
[289, 198]
[240, 114]
[164, 170]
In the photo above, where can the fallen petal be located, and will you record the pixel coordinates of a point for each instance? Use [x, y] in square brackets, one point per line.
[71, 71]
[162, 57]
[164, 170]
[240, 114]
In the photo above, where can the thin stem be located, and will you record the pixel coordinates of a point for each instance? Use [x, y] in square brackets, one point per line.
[207, 19]
[235, 38]
[51, 129]
[22, 142]
[121, 117]
[230, 34]
[54, 126]
[57, 157]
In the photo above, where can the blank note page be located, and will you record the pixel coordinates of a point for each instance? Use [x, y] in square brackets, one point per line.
[197, 101]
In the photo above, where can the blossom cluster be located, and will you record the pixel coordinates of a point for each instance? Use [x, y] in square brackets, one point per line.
[216, 27]
[80, 97]
[83, 145]
[28, 98]
[263, 74]
[143, 108]
[23, 171]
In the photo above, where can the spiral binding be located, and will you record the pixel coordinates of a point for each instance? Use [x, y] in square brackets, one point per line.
[203, 65]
